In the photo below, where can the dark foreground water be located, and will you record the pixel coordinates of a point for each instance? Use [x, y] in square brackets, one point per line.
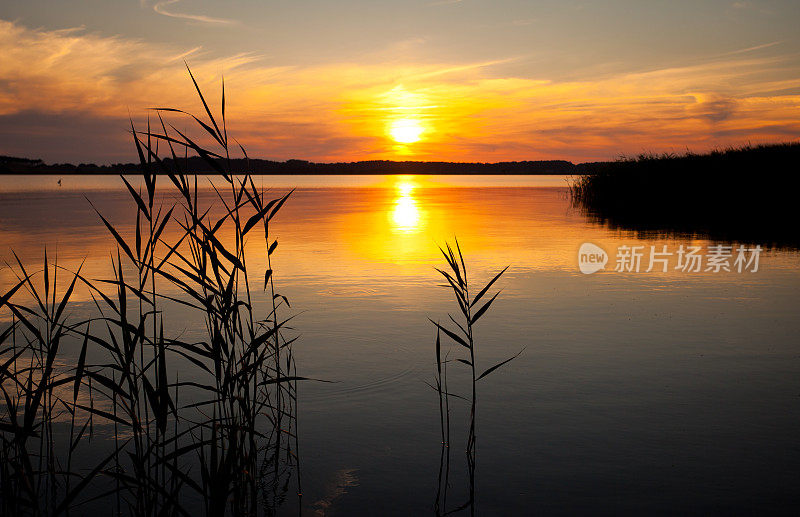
[648, 392]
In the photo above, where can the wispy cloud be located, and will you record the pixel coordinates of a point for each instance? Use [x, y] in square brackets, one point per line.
[752, 49]
[461, 68]
[161, 8]
[445, 2]
[750, 6]
[183, 55]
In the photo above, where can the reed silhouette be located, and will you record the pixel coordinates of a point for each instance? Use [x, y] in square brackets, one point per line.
[223, 442]
[744, 194]
[96, 410]
[458, 281]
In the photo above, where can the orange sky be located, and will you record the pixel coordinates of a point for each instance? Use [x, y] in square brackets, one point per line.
[65, 94]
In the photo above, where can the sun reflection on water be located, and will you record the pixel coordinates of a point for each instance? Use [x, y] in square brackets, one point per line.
[405, 216]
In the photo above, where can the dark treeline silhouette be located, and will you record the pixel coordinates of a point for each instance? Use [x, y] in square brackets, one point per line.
[745, 194]
[196, 164]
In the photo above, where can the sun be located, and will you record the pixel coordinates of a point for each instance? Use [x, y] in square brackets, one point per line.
[406, 130]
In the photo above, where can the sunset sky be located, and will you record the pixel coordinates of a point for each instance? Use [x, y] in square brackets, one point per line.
[468, 80]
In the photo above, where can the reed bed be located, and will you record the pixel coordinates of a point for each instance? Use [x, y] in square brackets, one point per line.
[223, 442]
[743, 194]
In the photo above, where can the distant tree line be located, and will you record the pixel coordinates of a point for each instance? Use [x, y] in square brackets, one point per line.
[195, 164]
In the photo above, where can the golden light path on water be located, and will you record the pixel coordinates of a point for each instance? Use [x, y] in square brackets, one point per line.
[341, 232]
[406, 216]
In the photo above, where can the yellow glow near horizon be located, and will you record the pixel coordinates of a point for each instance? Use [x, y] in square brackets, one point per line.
[406, 130]
[405, 187]
[405, 116]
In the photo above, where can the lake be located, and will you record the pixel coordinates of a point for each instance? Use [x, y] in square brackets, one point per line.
[661, 392]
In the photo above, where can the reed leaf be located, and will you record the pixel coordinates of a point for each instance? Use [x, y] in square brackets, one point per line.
[498, 365]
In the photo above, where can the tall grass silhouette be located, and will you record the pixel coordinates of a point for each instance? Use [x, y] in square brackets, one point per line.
[95, 408]
[470, 311]
[226, 438]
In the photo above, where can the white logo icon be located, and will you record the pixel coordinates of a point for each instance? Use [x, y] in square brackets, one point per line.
[591, 258]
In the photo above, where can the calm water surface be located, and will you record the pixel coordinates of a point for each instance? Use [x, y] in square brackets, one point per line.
[637, 392]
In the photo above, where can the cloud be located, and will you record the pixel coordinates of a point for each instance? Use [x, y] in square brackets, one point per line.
[445, 2]
[73, 137]
[753, 49]
[715, 109]
[750, 6]
[67, 94]
[161, 8]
